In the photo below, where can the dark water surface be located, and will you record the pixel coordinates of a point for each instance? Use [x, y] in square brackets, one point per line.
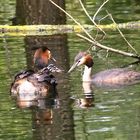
[114, 114]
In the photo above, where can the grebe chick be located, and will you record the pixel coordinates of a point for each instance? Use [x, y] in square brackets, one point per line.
[115, 77]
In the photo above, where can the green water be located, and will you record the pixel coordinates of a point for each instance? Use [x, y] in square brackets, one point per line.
[115, 115]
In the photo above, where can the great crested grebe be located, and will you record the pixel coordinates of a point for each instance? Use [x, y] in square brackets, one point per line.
[111, 77]
[30, 85]
[41, 58]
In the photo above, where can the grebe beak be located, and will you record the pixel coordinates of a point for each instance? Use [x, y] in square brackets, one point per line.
[73, 67]
[52, 58]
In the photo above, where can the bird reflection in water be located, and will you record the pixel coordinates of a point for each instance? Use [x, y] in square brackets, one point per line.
[87, 98]
[43, 113]
[44, 116]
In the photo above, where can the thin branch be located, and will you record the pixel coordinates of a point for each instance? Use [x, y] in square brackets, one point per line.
[103, 18]
[109, 49]
[99, 24]
[91, 39]
[73, 19]
[121, 33]
[99, 9]
[131, 64]
[93, 21]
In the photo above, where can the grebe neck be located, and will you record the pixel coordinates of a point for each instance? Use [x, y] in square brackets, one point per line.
[87, 74]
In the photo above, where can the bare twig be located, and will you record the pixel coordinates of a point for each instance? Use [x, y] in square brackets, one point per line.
[99, 9]
[109, 49]
[91, 39]
[131, 64]
[103, 18]
[121, 33]
[73, 19]
[99, 24]
[93, 21]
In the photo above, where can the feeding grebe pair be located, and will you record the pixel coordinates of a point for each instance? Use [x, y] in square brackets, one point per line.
[111, 77]
[30, 85]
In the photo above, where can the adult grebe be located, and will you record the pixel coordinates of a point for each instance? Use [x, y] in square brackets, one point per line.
[41, 58]
[111, 77]
[29, 85]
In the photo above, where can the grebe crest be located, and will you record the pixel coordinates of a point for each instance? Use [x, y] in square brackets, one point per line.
[42, 56]
[82, 58]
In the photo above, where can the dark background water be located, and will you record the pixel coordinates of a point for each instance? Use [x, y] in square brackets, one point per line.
[115, 114]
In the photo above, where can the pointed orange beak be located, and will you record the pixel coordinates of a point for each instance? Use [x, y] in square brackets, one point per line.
[73, 67]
